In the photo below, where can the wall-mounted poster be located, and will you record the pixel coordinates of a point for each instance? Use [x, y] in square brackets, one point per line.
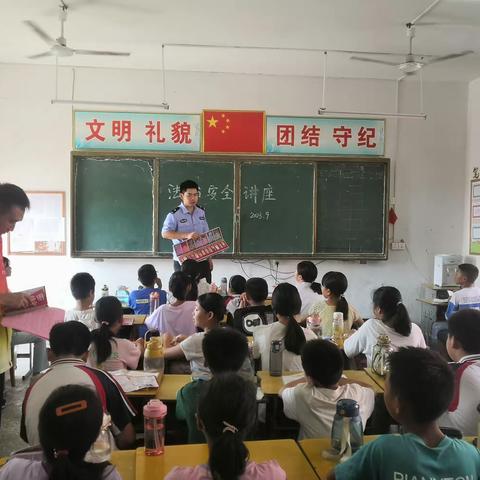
[475, 217]
[42, 231]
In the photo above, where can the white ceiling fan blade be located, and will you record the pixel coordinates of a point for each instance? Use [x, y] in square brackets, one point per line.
[41, 55]
[40, 32]
[101, 52]
[372, 60]
[449, 57]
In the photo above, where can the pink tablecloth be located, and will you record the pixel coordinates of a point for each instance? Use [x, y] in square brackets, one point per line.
[39, 322]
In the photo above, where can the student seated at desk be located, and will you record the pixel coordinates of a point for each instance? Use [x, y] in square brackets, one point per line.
[175, 318]
[310, 291]
[208, 313]
[418, 390]
[390, 318]
[286, 304]
[463, 347]
[469, 295]
[225, 350]
[139, 300]
[334, 285]
[69, 344]
[107, 351]
[198, 272]
[312, 401]
[226, 414]
[69, 423]
[252, 310]
[82, 286]
[236, 286]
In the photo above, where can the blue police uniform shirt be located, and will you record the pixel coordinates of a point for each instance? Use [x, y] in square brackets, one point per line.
[139, 300]
[181, 220]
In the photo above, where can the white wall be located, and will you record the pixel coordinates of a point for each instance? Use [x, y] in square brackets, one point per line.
[473, 147]
[430, 162]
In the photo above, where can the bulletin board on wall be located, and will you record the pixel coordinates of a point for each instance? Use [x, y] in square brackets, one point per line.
[42, 230]
[475, 218]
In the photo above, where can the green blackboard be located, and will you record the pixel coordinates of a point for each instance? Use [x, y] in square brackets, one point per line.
[351, 208]
[217, 186]
[266, 206]
[112, 204]
[276, 207]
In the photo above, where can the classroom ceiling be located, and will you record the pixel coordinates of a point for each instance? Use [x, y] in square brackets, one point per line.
[141, 26]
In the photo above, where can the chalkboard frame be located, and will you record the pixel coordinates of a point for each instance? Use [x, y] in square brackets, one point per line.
[236, 160]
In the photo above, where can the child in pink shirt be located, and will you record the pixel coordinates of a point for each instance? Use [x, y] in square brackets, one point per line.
[108, 352]
[175, 318]
[226, 413]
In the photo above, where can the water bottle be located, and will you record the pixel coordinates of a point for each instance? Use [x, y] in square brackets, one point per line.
[104, 291]
[380, 355]
[154, 413]
[347, 431]
[337, 336]
[314, 323]
[276, 358]
[101, 451]
[223, 287]
[154, 301]
[122, 294]
[153, 360]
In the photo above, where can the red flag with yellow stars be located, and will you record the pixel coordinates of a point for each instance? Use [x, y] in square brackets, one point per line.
[227, 131]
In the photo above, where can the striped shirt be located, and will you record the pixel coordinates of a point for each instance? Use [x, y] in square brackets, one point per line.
[74, 371]
[464, 298]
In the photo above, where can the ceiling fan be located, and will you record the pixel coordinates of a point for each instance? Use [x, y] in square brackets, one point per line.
[412, 62]
[59, 46]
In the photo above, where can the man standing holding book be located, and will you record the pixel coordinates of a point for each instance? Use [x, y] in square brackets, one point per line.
[13, 203]
[186, 222]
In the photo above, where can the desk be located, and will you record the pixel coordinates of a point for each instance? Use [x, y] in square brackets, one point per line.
[380, 381]
[125, 462]
[286, 452]
[134, 319]
[272, 385]
[167, 391]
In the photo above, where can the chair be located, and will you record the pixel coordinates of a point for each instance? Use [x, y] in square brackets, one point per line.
[247, 319]
[14, 357]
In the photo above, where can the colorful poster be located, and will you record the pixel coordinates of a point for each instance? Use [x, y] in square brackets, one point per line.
[325, 136]
[203, 247]
[475, 218]
[136, 131]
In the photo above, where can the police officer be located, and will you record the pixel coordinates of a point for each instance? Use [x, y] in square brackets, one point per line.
[186, 222]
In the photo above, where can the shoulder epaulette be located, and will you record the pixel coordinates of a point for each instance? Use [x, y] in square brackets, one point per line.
[175, 210]
[200, 207]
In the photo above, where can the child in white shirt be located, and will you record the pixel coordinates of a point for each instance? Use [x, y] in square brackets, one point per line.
[286, 304]
[108, 352]
[469, 295]
[312, 401]
[390, 318]
[82, 286]
[236, 286]
[463, 347]
[309, 290]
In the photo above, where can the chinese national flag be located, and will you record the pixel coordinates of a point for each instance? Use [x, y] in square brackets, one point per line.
[233, 132]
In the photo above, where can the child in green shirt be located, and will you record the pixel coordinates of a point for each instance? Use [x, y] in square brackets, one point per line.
[225, 350]
[418, 390]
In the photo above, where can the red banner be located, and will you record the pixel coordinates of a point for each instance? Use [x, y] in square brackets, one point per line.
[233, 131]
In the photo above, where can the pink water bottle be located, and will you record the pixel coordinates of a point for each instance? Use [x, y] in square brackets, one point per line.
[154, 413]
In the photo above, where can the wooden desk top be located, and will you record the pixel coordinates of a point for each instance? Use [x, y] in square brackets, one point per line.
[169, 386]
[137, 319]
[313, 448]
[125, 461]
[272, 385]
[286, 452]
[376, 378]
[431, 302]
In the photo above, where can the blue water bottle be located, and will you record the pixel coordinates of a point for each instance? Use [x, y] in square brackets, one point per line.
[347, 429]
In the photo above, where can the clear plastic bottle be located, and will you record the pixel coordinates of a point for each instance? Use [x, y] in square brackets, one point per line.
[347, 429]
[314, 323]
[154, 301]
[105, 291]
[223, 287]
[337, 336]
[153, 360]
[154, 413]
[101, 451]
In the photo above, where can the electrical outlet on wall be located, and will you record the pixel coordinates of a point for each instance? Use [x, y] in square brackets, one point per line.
[399, 245]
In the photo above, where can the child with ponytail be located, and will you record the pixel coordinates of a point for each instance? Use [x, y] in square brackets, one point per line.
[390, 318]
[334, 285]
[226, 414]
[286, 304]
[108, 352]
[310, 291]
[69, 423]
